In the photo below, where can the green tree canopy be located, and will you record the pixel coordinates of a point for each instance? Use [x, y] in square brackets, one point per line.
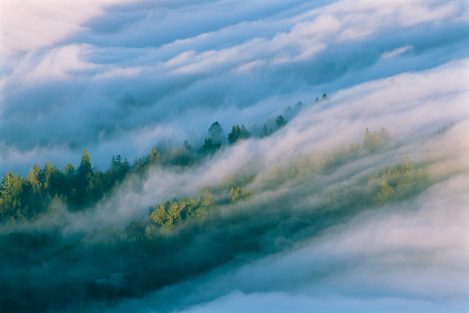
[215, 133]
[238, 133]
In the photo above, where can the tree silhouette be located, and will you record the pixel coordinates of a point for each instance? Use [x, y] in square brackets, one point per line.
[238, 133]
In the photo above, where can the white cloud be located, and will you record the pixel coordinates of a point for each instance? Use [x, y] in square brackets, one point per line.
[57, 63]
[30, 25]
[91, 61]
[116, 79]
[396, 52]
[311, 32]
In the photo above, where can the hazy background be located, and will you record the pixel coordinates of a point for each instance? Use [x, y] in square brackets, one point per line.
[120, 76]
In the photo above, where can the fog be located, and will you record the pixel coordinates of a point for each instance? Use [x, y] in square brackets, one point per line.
[319, 231]
[167, 74]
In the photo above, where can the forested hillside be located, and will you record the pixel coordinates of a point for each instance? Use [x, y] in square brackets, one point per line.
[215, 220]
[282, 156]
[26, 198]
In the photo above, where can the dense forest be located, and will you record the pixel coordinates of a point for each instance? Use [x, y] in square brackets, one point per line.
[26, 198]
[212, 220]
[254, 156]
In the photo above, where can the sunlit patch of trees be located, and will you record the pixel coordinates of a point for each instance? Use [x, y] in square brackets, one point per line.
[387, 185]
[305, 164]
[237, 193]
[394, 182]
[169, 214]
[165, 217]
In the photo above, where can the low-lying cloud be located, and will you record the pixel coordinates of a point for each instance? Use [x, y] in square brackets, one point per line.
[120, 76]
[94, 82]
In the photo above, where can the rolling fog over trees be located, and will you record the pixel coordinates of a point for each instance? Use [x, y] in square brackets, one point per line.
[223, 156]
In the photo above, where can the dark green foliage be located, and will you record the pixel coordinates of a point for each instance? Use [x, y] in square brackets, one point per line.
[215, 139]
[25, 199]
[152, 158]
[187, 146]
[119, 169]
[84, 182]
[280, 121]
[215, 133]
[179, 239]
[266, 131]
[209, 146]
[238, 133]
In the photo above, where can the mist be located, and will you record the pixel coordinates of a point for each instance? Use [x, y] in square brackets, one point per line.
[355, 201]
[96, 85]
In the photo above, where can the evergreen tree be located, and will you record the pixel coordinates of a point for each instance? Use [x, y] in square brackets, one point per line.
[214, 140]
[215, 134]
[83, 181]
[238, 133]
[118, 170]
[11, 205]
[33, 178]
[154, 156]
[209, 147]
[85, 164]
[280, 121]
[45, 175]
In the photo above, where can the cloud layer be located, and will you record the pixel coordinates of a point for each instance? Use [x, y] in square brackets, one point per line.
[117, 77]
[138, 73]
[408, 256]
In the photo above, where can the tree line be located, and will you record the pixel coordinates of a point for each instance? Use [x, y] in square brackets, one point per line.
[26, 198]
